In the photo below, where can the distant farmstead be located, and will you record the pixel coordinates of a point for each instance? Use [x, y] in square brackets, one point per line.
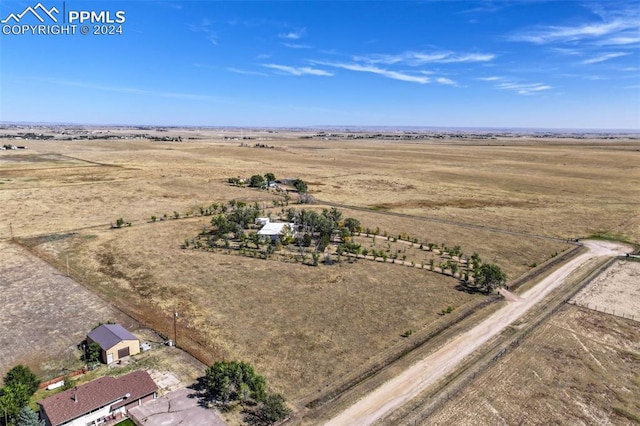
[101, 400]
[115, 341]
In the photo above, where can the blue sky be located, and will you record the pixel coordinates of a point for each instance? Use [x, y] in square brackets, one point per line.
[525, 64]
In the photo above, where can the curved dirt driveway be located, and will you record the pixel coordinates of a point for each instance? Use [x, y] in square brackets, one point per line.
[415, 379]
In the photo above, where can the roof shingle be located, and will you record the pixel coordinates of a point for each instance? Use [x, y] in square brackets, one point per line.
[108, 335]
[83, 399]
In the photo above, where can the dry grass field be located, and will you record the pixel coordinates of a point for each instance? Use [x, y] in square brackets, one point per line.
[580, 367]
[616, 291]
[45, 314]
[303, 326]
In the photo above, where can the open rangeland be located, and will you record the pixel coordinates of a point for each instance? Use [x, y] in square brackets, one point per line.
[306, 327]
[581, 367]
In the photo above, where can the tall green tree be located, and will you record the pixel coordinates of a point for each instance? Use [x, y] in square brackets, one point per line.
[300, 186]
[28, 417]
[272, 409]
[227, 381]
[490, 277]
[12, 398]
[256, 181]
[93, 353]
[352, 224]
[22, 374]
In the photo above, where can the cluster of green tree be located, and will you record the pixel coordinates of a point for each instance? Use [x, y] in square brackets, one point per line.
[300, 186]
[235, 220]
[19, 386]
[230, 382]
[322, 226]
[488, 277]
[349, 247]
[260, 181]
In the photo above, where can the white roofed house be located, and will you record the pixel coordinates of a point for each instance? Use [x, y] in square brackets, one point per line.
[276, 230]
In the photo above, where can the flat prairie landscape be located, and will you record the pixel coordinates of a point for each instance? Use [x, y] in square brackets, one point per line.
[580, 368]
[514, 201]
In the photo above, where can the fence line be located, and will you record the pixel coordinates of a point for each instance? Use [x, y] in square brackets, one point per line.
[605, 310]
[422, 412]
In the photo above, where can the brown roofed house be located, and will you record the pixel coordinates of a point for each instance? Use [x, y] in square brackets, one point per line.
[99, 400]
[115, 341]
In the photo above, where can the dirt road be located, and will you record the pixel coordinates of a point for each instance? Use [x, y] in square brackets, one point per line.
[418, 377]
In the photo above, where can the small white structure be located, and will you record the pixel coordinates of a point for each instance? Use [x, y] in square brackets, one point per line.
[262, 221]
[275, 230]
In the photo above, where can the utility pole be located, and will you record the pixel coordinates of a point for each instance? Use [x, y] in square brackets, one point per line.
[67, 265]
[175, 328]
[11, 230]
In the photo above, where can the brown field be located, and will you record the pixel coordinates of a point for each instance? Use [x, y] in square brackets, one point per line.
[305, 327]
[45, 314]
[581, 367]
[616, 291]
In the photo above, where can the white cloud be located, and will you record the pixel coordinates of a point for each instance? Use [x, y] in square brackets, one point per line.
[298, 70]
[205, 27]
[245, 72]
[520, 88]
[133, 91]
[293, 35]
[446, 81]
[620, 40]
[296, 46]
[524, 88]
[566, 51]
[562, 34]
[380, 71]
[604, 57]
[421, 58]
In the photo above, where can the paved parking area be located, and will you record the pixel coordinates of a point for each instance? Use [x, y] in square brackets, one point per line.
[180, 407]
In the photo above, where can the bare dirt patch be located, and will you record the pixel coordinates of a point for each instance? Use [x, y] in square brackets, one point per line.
[615, 291]
[581, 367]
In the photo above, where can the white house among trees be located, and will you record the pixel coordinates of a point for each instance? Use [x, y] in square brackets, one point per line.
[275, 230]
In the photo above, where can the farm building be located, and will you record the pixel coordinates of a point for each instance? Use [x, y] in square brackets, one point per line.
[98, 401]
[275, 230]
[262, 221]
[115, 341]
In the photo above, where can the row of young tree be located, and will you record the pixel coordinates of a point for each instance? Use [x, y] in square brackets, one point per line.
[230, 383]
[20, 383]
[317, 229]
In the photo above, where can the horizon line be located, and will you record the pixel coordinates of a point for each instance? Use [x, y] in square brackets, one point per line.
[343, 127]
